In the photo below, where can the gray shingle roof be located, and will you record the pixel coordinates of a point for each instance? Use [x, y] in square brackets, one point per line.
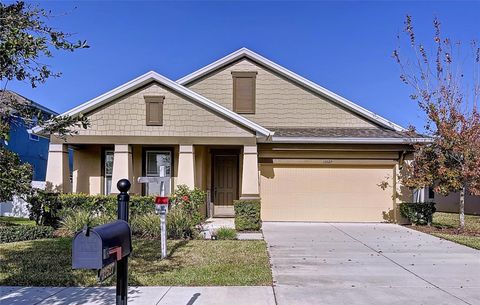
[321, 132]
[8, 95]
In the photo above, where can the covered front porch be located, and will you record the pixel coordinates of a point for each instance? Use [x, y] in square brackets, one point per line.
[226, 171]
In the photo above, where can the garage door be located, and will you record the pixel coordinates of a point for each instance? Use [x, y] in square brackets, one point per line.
[309, 193]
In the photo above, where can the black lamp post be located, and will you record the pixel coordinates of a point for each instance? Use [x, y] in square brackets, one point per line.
[123, 198]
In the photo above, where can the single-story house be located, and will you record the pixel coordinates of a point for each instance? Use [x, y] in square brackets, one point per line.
[242, 127]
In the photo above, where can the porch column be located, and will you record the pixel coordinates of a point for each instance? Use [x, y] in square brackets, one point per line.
[122, 165]
[58, 170]
[250, 189]
[186, 164]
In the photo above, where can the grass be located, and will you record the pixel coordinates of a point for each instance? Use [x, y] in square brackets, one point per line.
[17, 220]
[469, 241]
[451, 220]
[225, 233]
[445, 225]
[47, 262]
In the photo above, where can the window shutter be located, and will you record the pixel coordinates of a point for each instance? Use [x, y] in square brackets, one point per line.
[154, 110]
[244, 92]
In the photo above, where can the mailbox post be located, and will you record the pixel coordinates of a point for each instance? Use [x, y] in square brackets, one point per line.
[161, 205]
[106, 248]
[123, 198]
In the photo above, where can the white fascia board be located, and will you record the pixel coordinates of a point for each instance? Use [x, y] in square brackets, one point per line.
[153, 76]
[324, 140]
[244, 52]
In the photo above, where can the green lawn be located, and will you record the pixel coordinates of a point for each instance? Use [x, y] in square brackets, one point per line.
[47, 262]
[445, 225]
[469, 241]
[451, 220]
[17, 220]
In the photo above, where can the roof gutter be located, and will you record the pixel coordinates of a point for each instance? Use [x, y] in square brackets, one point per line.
[329, 140]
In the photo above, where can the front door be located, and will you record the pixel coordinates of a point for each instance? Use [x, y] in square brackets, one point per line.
[225, 184]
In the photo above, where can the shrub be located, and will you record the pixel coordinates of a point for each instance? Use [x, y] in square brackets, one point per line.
[95, 204]
[106, 204]
[74, 220]
[8, 224]
[189, 201]
[247, 215]
[146, 226]
[184, 216]
[225, 233]
[45, 208]
[140, 205]
[21, 233]
[418, 213]
[179, 224]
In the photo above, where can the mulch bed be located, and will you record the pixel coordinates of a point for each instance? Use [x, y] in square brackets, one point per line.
[445, 230]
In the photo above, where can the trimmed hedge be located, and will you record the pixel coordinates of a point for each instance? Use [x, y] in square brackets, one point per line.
[106, 204]
[247, 215]
[7, 224]
[183, 218]
[418, 213]
[20, 233]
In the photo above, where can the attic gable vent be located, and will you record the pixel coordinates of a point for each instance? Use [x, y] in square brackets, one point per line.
[154, 110]
[244, 92]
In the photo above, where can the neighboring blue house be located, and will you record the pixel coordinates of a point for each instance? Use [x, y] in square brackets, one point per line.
[30, 147]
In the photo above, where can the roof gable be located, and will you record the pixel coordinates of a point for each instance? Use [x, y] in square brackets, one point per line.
[155, 77]
[181, 117]
[246, 53]
[279, 102]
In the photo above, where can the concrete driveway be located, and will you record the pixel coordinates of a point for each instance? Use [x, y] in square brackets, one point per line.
[355, 264]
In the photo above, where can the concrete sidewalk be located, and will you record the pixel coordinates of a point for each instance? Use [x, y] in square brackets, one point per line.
[137, 295]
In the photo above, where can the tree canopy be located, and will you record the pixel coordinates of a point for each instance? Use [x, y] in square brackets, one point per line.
[26, 42]
[447, 92]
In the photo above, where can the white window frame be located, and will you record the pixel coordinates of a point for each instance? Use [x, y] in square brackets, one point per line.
[33, 137]
[169, 152]
[106, 191]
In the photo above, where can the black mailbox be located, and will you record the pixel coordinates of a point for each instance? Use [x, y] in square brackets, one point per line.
[94, 248]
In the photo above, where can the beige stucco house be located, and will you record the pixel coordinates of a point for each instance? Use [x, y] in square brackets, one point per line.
[240, 127]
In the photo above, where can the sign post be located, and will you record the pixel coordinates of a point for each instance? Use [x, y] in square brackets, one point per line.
[161, 206]
[161, 203]
[123, 198]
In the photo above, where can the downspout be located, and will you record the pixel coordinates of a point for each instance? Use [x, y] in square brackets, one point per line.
[401, 160]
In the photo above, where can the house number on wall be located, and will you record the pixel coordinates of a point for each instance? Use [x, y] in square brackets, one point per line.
[327, 161]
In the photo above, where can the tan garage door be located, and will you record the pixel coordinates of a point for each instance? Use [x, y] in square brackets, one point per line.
[309, 193]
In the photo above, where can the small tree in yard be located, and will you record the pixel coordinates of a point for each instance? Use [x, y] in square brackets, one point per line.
[25, 41]
[15, 176]
[451, 161]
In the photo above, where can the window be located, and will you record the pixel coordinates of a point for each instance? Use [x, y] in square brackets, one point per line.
[158, 165]
[154, 110]
[431, 193]
[108, 170]
[244, 92]
[33, 137]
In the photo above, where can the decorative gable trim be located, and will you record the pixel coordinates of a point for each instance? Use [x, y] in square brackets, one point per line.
[246, 53]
